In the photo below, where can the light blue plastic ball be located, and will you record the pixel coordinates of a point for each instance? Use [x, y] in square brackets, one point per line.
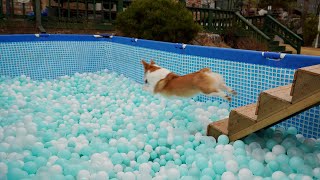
[163, 133]
[194, 172]
[116, 158]
[142, 159]
[273, 166]
[206, 177]
[282, 159]
[178, 140]
[65, 154]
[256, 167]
[208, 172]
[223, 139]
[238, 144]
[16, 173]
[40, 161]
[155, 167]
[219, 167]
[295, 163]
[292, 130]
[30, 167]
[122, 148]
[202, 163]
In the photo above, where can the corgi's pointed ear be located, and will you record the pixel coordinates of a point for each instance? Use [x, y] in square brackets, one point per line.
[145, 64]
[152, 62]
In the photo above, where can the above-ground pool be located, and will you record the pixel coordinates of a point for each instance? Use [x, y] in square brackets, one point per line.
[72, 107]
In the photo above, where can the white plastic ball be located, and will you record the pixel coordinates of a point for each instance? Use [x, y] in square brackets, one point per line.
[144, 168]
[232, 166]
[118, 168]
[278, 175]
[245, 174]
[278, 149]
[83, 174]
[56, 169]
[3, 168]
[228, 176]
[102, 175]
[269, 156]
[129, 176]
[173, 174]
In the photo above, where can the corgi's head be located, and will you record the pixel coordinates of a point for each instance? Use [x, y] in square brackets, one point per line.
[153, 73]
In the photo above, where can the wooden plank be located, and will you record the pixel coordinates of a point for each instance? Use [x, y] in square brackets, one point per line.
[248, 111]
[242, 117]
[315, 68]
[273, 100]
[314, 71]
[217, 128]
[293, 83]
[306, 84]
[281, 92]
[279, 116]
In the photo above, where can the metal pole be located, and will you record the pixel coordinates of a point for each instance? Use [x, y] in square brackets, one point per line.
[38, 13]
[38, 17]
[317, 38]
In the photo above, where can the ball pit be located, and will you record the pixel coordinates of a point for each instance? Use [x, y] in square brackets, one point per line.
[104, 126]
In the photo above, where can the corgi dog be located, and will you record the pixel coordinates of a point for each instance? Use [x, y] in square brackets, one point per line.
[161, 81]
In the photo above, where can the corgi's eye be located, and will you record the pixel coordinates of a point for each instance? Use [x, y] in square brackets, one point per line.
[146, 81]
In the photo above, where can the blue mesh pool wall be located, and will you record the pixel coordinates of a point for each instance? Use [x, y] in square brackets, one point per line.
[248, 72]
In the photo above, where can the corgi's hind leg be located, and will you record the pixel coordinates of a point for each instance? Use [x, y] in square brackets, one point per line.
[221, 94]
[228, 89]
[215, 92]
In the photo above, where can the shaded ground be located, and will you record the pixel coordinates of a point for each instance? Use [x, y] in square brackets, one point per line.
[305, 50]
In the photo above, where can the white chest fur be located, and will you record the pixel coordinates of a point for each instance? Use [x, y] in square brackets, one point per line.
[155, 76]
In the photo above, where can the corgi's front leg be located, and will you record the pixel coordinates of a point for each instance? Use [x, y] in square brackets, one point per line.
[147, 88]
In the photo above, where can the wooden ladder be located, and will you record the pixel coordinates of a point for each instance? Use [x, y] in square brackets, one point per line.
[273, 106]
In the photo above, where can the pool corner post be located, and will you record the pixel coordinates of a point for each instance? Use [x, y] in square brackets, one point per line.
[38, 17]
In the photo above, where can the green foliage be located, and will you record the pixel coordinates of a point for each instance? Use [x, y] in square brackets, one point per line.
[310, 30]
[162, 20]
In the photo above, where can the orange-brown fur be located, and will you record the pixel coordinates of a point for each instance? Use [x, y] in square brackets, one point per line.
[187, 85]
[170, 84]
[150, 67]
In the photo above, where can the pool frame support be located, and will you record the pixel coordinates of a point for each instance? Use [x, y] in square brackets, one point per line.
[38, 17]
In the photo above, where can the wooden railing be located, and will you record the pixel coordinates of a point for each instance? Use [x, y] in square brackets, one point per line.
[98, 13]
[75, 14]
[257, 21]
[218, 21]
[263, 28]
[214, 20]
[276, 28]
[251, 29]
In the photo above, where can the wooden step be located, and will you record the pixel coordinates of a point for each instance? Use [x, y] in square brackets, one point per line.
[274, 106]
[273, 100]
[242, 117]
[306, 82]
[277, 117]
[217, 128]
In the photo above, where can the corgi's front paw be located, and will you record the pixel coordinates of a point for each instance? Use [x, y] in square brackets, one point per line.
[228, 98]
[234, 92]
[147, 88]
